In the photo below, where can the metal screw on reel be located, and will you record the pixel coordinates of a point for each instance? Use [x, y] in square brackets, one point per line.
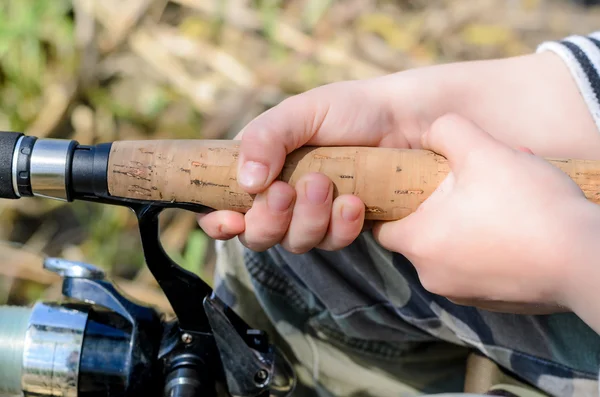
[261, 378]
[187, 338]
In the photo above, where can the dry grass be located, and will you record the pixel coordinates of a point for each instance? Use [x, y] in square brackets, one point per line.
[105, 70]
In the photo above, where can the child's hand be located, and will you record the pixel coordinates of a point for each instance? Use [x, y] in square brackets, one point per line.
[504, 228]
[530, 101]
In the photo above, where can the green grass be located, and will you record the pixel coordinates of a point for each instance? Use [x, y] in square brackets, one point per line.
[36, 44]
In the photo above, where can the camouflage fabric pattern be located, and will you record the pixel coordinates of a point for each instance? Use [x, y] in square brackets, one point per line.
[357, 322]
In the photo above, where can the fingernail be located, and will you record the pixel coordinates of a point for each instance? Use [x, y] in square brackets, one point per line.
[317, 192]
[350, 213]
[253, 174]
[278, 201]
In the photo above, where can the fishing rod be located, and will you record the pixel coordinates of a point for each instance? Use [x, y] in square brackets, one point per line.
[98, 342]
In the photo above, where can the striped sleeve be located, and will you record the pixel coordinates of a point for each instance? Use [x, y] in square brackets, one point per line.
[581, 54]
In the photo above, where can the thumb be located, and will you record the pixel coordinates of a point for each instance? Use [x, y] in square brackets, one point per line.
[323, 116]
[454, 137]
[400, 235]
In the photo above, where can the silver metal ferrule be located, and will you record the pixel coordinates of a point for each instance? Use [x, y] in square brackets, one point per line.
[49, 168]
[52, 351]
[15, 161]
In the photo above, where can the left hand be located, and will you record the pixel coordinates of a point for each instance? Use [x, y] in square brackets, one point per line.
[505, 230]
[392, 111]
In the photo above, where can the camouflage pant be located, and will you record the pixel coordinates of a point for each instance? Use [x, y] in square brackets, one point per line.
[357, 322]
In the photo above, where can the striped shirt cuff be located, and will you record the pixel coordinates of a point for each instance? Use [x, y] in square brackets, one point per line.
[581, 54]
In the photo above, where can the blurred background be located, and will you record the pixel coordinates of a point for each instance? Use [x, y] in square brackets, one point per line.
[104, 70]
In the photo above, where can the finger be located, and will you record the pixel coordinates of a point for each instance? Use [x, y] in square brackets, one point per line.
[222, 225]
[441, 193]
[329, 115]
[400, 236]
[312, 211]
[269, 218]
[455, 137]
[347, 219]
[403, 235]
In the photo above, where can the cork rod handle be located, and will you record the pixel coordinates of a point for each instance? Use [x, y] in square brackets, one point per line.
[391, 182]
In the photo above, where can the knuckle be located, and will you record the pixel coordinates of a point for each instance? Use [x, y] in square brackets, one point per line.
[429, 284]
[296, 248]
[258, 131]
[310, 237]
[263, 238]
[254, 245]
[417, 247]
[300, 245]
[428, 244]
[327, 246]
[271, 236]
[341, 237]
[447, 122]
[337, 243]
[432, 282]
[315, 231]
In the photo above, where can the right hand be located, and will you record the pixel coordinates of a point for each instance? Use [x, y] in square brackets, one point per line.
[392, 111]
[505, 231]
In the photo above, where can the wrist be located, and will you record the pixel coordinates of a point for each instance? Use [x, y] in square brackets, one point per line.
[514, 99]
[424, 95]
[481, 91]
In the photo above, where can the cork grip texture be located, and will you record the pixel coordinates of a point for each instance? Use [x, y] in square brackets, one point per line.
[391, 182]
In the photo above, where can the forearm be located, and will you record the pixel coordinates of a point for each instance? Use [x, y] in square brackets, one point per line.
[582, 285]
[532, 101]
